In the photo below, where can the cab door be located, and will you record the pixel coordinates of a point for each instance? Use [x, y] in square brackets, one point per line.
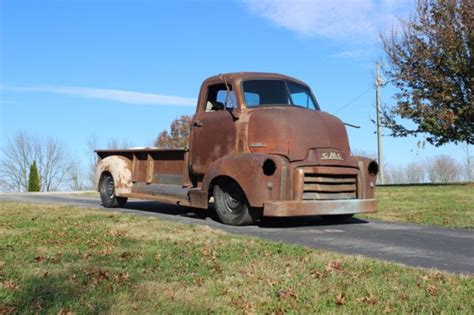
[213, 128]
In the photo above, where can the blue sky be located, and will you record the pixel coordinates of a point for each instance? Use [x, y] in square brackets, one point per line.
[125, 69]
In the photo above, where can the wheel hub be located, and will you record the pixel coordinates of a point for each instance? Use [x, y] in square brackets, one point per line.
[232, 202]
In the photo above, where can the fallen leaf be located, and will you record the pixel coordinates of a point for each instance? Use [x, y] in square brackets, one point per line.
[10, 285]
[340, 299]
[371, 299]
[335, 265]
[432, 290]
[125, 256]
[7, 310]
[121, 277]
[284, 294]
[387, 309]
[316, 274]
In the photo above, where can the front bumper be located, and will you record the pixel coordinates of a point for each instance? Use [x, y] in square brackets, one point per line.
[318, 207]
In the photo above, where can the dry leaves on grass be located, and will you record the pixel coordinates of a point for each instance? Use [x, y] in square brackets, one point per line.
[335, 265]
[7, 310]
[371, 299]
[126, 256]
[432, 290]
[241, 303]
[316, 274]
[340, 299]
[118, 233]
[122, 277]
[283, 294]
[10, 285]
[96, 275]
[65, 311]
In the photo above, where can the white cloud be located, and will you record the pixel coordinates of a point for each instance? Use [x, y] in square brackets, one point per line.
[351, 54]
[108, 94]
[336, 19]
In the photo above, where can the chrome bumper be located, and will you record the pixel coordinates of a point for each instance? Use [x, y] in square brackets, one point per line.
[318, 207]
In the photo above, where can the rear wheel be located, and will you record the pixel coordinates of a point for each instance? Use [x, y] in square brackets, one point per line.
[107, 193]
[232, 206]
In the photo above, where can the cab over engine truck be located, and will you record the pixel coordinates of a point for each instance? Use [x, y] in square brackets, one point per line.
[261, 146]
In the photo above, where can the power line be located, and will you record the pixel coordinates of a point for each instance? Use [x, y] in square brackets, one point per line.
[355, 99]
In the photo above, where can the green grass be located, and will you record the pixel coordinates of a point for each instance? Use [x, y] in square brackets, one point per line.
[444, 205]
[56, 259]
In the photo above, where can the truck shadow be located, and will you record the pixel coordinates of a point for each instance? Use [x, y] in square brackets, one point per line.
[305, 221]
[167, 209]
[209, 214]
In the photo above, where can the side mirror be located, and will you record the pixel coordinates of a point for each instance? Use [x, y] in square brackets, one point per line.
[234, 113]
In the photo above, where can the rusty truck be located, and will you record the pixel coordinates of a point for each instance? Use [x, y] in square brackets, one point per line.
[260, 146]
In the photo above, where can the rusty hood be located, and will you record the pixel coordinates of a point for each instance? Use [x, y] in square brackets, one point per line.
[293, 131]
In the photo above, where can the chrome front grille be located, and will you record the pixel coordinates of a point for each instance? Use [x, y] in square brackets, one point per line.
[329, 187]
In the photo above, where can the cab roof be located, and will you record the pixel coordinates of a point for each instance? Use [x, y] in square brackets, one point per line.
[238, 76]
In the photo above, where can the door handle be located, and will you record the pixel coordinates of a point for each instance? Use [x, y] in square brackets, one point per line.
[197, 123]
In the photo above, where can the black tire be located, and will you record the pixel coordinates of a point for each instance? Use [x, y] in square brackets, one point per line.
[232, 206]
[337, 218]
[107, 193]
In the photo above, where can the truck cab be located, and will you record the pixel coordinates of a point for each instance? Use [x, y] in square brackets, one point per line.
[260, 146]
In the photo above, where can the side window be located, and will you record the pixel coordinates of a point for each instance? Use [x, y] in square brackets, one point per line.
[218, 98]
[228, 99]
[300, 95]
[301, 99]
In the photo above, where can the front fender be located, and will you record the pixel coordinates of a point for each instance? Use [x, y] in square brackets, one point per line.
[121, 170]
[367, 179]
[247, 170]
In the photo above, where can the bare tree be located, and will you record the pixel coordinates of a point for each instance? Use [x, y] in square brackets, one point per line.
[415, 172]
[21, 151]
[118, 144]
[396, 175]
[54, 164]
[443, 169]
[17, 156]
[76, 179]
[92, 145]
[468, 164]
[359, 152]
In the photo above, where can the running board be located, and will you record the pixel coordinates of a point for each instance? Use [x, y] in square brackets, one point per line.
[160, 192]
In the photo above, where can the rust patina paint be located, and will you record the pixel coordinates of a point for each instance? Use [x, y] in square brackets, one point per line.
[315, 172]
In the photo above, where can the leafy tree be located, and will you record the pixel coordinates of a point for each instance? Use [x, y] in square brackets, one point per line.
[430, 62]
[179, 134]
[34, 180]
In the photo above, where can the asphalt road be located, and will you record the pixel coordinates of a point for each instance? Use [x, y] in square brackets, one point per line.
[411, 244]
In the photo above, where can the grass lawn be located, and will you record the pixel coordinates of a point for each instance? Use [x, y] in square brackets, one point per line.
[444, 205]
[57, 259]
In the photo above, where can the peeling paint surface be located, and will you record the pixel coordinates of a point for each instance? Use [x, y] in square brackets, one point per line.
[121, 170]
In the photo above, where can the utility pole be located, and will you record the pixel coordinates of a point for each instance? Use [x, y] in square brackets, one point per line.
[378, 84]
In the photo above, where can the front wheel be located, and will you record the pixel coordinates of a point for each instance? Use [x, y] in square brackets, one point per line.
[231, 204]
[107, 193]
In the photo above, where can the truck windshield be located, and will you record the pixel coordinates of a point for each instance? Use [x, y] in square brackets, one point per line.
[278, 93]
